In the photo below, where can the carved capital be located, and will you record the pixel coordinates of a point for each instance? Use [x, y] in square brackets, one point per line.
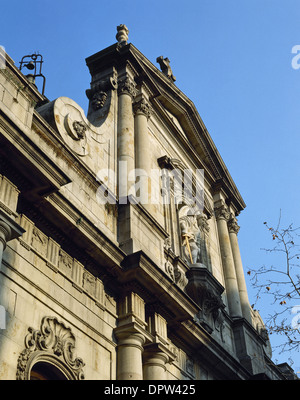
[143, 107]
[233, 226]
[222, 213]
[127, 86]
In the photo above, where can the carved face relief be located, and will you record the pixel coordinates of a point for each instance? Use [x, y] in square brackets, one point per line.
[98, 100]
[69, 120]
[80, 128]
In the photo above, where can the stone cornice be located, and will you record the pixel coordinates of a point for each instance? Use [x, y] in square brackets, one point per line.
[86, 233]
[138, 267]
[214, 354]
[31, 159]
[147, 216]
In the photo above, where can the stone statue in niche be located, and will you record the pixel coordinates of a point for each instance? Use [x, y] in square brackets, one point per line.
[194, 227]
[190, 235]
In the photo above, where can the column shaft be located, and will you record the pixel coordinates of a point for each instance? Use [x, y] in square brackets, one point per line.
[142, 147]
[155, 365]
[245, 305]
[228, 264]
[129, 356]
[125, 138]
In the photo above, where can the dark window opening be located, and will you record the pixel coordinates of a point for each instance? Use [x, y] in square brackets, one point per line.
[43, 371]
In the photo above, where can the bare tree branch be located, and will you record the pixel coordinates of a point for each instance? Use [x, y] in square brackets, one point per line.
[281, 283]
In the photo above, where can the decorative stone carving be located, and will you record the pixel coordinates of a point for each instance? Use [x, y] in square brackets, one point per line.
[168, 244]
[180, 277]
[98, 100]
[69, 120]
[222, 213]
[80, 128]
[169, 268]
[89, 282]
[202, 220]
[127, 86]
[202, 223]
[165, 67]
[233, 226]
[190, 234]
[53, 342]
[143, 107]
[206, 291]
[98, 93]
[39, 241]
[65, 263]
[122, 35]
[53, 254]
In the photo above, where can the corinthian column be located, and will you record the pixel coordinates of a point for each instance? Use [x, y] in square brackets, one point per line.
[233, 231]
[143, 112]
[125, 128]
[222, 216]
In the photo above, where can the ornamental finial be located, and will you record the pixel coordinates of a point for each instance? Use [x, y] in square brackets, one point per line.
[122, 35]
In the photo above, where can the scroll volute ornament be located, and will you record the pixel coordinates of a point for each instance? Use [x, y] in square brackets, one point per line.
[53, 343]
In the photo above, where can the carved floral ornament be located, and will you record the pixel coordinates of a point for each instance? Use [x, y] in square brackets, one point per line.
[53, 343]
[222, 213]
[233, 226]
[143, 107]
[127, 86]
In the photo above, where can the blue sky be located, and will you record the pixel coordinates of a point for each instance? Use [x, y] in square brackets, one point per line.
[232, 58]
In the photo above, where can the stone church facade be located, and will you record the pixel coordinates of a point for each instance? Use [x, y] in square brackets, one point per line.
[104, 277]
